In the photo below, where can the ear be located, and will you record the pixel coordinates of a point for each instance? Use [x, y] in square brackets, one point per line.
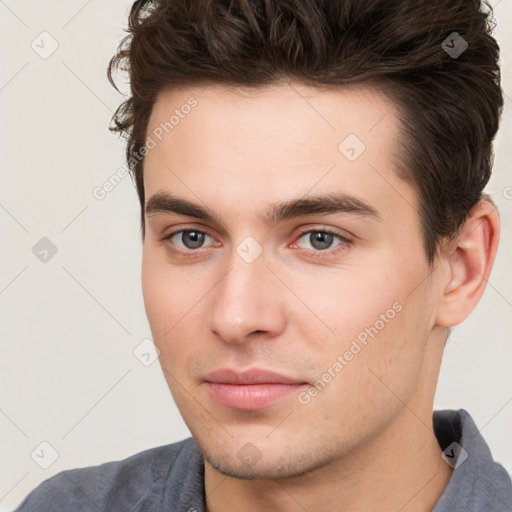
[468, 262]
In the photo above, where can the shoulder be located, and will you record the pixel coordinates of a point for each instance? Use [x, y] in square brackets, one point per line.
[114, 486]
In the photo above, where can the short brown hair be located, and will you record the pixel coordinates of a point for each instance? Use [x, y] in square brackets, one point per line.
[449, 104]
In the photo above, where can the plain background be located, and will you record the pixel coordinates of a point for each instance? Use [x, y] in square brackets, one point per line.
[69, 326]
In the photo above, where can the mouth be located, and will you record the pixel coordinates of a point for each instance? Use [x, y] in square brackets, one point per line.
[250, 390]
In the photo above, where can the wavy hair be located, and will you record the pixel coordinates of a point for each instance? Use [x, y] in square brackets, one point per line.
[449, 105]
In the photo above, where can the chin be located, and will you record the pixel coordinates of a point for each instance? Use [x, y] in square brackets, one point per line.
[250, 463]
[260, 471]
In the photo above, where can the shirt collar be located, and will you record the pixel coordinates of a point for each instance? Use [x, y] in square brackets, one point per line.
[477, 482]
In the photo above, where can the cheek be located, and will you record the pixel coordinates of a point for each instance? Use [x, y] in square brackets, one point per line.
[169, 291]
[154, 293]
[348, 302]
[164, 298]
[365, 374]
[375, 324]
[173, 300]
[371, 295]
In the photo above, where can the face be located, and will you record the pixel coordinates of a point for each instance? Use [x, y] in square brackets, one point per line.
[284, 275]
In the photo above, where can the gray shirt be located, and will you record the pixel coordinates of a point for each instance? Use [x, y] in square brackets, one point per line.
[171, 478]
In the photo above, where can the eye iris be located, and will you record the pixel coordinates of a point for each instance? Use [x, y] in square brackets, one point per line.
[324, 239]
[192, 239]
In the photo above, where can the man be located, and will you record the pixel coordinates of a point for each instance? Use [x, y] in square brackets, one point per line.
[311, 180]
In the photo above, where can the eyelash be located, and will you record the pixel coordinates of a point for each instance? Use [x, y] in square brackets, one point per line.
[311, 253]
[344, 242]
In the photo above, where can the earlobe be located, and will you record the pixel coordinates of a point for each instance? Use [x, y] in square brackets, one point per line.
[469, 260]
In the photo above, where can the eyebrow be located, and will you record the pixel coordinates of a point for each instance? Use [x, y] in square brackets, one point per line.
[164, 202]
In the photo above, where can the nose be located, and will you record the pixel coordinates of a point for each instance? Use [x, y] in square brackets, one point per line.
[247, 302]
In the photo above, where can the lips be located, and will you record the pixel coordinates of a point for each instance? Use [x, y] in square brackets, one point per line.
[250, 389]
[247, 377]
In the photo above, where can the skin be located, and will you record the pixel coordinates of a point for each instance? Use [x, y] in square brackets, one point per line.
[365, 441]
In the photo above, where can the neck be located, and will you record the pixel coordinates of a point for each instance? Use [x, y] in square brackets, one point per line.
[400, 468]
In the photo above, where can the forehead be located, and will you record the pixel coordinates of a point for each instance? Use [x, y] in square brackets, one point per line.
[243, 111]
[276, 142]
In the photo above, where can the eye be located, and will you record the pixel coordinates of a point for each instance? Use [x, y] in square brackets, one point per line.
[189, 238]
[321, 240]
[188, 241]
